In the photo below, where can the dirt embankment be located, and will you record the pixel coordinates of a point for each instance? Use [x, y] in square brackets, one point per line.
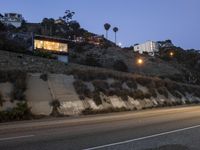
[77, 89]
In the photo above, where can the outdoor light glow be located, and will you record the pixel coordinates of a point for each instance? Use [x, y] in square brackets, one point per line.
[171, 54]
[120, 44]
[140, 61]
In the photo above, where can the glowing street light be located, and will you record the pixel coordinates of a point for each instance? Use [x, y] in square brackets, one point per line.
[171, 54]
[140, 61]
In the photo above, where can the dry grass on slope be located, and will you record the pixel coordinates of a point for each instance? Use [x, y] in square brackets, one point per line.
[99, 79]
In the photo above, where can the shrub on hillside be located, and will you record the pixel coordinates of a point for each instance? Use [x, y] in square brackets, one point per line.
[116, 85]
[138, 94]
[11, 75]
[176, 94]
[20, 112]
[79, 48]
[177, 103]
[2, 27]
[100, 85]
[1, 99]
[197, 92]
[173, 88]
[89, 111]
[19, 87]
[147, 95]
[73, 56]
[176, 77]
[123, 94]
[81, 89]
[11, 45]
[182, 90]
[152, 91]
[188, 102]
[92, 61]
[119, 65]
[44, 77]
[8, 76]
[159, 83]
[97, 98]
[89, 75]
[44, 54]
[163, 91]
[144, 81]
[196, 102]
[131, 84]
[188, 89]
[56, 105]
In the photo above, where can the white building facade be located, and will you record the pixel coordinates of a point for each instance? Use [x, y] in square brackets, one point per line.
[12, 19]
[149, 47]
[1, 17]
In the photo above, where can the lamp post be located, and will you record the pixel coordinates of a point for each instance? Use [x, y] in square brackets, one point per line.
[140, 62]
[171, 54]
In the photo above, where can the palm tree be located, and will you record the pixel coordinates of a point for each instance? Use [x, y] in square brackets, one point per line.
[107, 27]
[115, 29]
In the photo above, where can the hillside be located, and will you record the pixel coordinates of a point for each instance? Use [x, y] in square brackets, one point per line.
[110, 57]
[49, 87]
[183, 66]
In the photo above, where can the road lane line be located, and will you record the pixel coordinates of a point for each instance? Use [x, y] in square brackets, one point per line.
[142, 138]
[17, 137]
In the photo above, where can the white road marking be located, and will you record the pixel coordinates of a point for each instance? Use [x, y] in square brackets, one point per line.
[17, 137]
[142, 138]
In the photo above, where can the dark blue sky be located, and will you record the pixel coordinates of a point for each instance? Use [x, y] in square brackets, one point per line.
[138, 20]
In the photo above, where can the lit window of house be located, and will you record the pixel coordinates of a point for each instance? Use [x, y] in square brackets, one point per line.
[50, 44]
[57, 46]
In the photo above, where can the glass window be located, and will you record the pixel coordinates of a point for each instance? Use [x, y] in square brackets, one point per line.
[52, 46]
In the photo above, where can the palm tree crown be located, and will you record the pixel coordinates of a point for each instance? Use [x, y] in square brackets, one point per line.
[107, 27]
[115, 29]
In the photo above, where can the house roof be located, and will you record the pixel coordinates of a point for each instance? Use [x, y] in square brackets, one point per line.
[50, 38]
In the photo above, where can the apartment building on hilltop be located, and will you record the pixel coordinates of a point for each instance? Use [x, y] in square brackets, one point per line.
[12, 19]
[149, 47]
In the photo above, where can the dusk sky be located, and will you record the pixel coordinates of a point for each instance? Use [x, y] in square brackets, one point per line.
[138, 20]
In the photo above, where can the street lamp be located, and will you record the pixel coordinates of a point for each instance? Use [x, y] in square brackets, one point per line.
[171, 54]
[140, 61]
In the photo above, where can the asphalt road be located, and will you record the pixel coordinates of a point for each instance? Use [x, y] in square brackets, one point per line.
[159, 129]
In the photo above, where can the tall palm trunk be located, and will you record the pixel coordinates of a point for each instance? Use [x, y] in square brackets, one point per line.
[106, 34]
[115, 29]
[115, 38]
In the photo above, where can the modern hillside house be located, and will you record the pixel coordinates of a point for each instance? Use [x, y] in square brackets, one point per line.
[12, 19]
[56, 46]
[149, 47]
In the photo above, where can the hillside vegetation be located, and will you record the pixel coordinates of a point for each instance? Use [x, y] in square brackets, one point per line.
[83, 89]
